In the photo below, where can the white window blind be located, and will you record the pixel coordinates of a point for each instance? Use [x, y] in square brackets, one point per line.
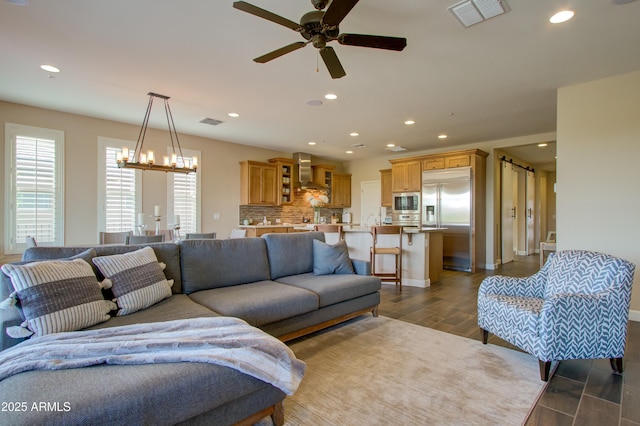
[35, 186]
[119, 192]
[183, 196]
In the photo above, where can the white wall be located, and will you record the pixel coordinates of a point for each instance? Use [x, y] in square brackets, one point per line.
[219, 169]
[598, 170]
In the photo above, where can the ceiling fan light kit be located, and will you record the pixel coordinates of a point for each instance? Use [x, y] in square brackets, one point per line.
[320, 27]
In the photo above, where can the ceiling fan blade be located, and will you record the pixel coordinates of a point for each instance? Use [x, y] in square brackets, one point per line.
[279, 52]
[265, 14]
[377, 42]
[336, 12]
[332, 62]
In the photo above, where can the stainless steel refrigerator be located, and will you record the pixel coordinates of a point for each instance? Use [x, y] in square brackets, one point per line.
[446, 203]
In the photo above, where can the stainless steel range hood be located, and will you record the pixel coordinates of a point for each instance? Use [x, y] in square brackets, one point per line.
[302, 172]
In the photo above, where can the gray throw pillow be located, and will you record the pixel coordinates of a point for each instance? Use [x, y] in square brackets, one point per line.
[331, 259]
[137, 279]
[56, 296]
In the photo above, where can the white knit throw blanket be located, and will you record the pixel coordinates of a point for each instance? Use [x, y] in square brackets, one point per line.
[225, 341]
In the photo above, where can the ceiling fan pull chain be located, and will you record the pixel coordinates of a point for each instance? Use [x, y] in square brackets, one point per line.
[317, 61]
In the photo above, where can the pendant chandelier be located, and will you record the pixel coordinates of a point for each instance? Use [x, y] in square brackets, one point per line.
[146, 160]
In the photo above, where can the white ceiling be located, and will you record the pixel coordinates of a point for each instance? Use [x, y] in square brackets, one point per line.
[494, 80]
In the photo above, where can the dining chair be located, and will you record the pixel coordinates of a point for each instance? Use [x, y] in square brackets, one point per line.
[114, 237]
[30, 241]
[238, 233]
[205, 236]
[143, 239]
[395, 251]
[169, 234]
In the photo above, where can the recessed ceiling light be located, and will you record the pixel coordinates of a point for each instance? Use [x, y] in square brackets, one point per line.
[354, 134]
[314, 102]
[409, 122]
[349, 152]
[442, 136]
[311, 143]
[390, 145]
[234, 114]
[331, 96]
[541, 145]
[562, 16]
[49, 68]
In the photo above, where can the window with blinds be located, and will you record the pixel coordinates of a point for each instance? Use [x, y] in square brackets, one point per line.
[120, 193]
[183, 198]
[35, 191]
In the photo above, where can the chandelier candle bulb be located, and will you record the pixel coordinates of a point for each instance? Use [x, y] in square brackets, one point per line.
[174, 159]
[177, 219]
[125, 154]
[140, 219]
[195, 163]
[156, 211]
[143, 158]
[165, 161]
[151, 157]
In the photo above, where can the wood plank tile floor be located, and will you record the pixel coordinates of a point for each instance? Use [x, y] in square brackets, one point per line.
[581, 392]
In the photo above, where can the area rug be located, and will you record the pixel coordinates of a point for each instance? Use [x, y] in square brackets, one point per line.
[381, 371]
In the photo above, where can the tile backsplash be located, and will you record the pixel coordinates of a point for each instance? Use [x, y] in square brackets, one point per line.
[293, 213]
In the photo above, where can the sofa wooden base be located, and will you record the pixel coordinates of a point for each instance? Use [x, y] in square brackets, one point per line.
[323, 325]
[276, 412]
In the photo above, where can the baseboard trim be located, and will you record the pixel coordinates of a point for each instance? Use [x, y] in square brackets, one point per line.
[634, 316]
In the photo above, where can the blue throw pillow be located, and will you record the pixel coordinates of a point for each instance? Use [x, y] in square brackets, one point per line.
[331, 259]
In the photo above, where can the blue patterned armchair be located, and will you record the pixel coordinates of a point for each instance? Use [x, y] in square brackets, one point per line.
[575, 307]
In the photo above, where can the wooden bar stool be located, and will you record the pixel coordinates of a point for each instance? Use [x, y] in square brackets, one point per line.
[331, 229]
[395, 251]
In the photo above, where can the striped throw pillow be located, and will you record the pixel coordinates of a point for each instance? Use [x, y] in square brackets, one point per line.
[137, 279]
[56, 296]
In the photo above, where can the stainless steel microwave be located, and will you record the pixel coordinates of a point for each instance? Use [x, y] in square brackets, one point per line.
[406, 202]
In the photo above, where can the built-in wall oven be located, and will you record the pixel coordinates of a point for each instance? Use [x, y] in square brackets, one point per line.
[406, 208]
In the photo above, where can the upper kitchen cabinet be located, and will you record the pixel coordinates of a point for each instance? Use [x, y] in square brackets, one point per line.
[341, 190]
[323, 176]
[257, 183]
[406, 176]
[386, 195]
[284, 180]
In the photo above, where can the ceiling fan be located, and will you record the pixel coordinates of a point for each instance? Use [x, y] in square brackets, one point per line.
[319, 28]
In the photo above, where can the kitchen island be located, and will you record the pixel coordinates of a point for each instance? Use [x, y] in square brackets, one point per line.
[421, 252]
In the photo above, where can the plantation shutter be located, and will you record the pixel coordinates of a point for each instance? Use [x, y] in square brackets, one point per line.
[185, 201]
[120, 194]
[36, 189]
[184, 197]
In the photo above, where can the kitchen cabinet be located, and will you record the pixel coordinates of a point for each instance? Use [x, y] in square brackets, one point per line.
[257, 183]
[284, 180]
[341, 190]
[323, 176]
[386, 195]
[406, 176]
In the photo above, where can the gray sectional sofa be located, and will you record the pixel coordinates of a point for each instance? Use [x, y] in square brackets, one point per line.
[268, 282]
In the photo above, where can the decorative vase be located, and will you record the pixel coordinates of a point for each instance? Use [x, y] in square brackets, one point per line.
[316, 216]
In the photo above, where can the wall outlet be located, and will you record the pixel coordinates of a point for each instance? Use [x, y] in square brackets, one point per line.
[216, 216]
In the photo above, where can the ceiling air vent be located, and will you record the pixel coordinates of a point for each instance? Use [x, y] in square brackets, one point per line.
[211, 121]
[396, 148]
[471, 12]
